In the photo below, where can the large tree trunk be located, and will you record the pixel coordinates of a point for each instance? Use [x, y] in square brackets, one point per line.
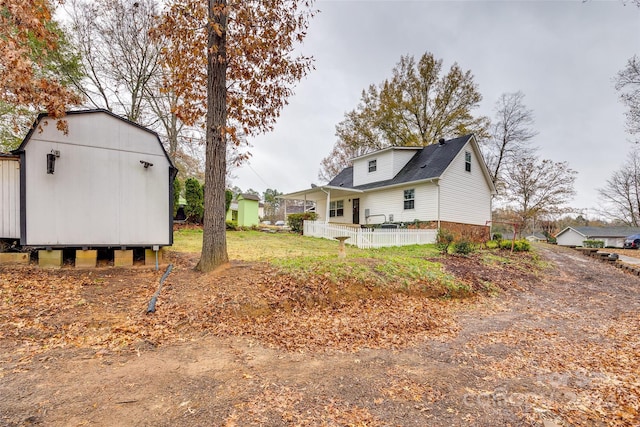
[214, 242]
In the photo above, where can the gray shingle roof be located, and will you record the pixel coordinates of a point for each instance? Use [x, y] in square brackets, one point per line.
[428, 162]
[607, 231]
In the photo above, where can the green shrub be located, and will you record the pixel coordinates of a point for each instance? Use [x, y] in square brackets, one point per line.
[444, 239]
[463, 247]
[177, 188]
[194, 195]
[497, 236]
[521, 245]
[593, 244]
[492, 244]
[232, 225]
[296, 221]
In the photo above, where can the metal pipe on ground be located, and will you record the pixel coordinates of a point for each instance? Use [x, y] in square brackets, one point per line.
[151, 308]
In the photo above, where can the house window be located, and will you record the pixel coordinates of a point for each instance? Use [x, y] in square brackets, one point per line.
[409, 198]
[336, 208]
[467, 161]
[373, 165]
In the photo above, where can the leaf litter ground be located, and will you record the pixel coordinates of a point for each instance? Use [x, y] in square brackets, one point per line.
[247, 345]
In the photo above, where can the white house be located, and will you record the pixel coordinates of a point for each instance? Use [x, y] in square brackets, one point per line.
[611, 236]
[106, 182]
[446, 184]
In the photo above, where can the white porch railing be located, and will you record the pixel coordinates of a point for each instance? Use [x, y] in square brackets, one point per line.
[367, 238]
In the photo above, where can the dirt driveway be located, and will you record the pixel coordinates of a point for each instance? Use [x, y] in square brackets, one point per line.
[563, 350]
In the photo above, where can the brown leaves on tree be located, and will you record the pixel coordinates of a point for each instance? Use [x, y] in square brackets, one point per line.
[262, 65]
[26, 41]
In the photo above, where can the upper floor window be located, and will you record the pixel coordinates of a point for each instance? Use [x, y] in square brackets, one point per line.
[467, 161]
[336, 208]
[409, 198]
[373, 165]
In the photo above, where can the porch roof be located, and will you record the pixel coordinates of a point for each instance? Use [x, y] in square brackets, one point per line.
[320, 193]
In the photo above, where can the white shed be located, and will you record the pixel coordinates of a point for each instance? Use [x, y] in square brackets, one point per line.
[106, 182]
[9, 196]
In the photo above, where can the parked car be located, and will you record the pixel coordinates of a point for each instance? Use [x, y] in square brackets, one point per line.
[280, 223]
[632, 242]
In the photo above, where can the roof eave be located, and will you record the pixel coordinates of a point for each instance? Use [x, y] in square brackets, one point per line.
[324, 188]
[403, 184]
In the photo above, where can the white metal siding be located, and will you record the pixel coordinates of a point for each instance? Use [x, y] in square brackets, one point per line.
[100, 193]
[570, 238]
[9, 198]
[465, 197]
[346, 218]
[609, 242]
[387, 202]
[384, 168]
[400, 159]
[388, 163]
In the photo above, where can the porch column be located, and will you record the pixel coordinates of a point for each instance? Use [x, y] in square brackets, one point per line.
[327, 209]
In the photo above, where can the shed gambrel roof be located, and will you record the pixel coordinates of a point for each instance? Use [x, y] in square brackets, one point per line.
[603, 231]
[42, 116]
[429, 162]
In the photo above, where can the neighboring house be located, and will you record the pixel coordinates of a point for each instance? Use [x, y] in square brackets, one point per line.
[106, 182]
[536, 237]
[245, 210]
[446, 184]
[611, 236]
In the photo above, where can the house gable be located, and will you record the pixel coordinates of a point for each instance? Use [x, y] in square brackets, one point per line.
[381, 165]
[427, 163]
[100, 132]
[465, 188]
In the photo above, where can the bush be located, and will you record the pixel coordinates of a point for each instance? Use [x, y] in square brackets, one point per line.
[177, 188]
[296, 221]
[521, 245]
[232, 225]
[194, 195]
[444, 239]
[463, 247]
[593, 244]
[492, 244]
[497, 236]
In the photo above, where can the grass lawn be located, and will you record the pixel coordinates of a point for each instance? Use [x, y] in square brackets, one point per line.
[412, 268]
[258, 245]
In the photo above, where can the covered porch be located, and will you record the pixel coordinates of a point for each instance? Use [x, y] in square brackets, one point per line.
[333, 204]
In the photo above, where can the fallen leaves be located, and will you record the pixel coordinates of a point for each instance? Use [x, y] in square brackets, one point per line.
[42, 309]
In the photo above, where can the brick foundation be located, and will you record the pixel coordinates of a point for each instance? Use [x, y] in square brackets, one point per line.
[474, 233]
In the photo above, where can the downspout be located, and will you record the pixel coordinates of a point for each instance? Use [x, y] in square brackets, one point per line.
[491, 217]
[437, 181]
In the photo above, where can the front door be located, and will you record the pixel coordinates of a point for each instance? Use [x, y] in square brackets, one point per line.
[356, 211]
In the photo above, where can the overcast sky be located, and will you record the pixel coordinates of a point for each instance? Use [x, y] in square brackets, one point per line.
[562, 55]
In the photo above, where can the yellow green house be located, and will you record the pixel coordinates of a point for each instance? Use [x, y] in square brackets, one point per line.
[247, 211]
